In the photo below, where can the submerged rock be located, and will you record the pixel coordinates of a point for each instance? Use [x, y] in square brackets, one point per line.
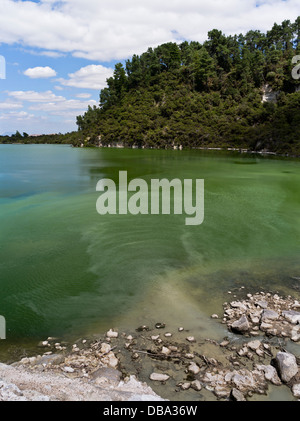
[158, 377]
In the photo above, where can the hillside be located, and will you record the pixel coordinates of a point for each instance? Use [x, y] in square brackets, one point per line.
[230, 91]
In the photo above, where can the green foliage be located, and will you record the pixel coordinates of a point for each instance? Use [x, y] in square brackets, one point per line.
[206, 95]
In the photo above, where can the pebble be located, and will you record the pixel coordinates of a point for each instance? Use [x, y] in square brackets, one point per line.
[154, 338]
[185, 386]
[160, 325]
[165, 351]
[190, 339]
[173, 348]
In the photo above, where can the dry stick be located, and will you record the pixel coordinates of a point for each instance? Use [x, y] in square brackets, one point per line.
[159, 355]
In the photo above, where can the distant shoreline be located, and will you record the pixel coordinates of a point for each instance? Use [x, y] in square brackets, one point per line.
[119, 146]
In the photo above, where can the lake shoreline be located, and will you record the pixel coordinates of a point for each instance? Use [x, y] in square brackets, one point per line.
[236, 368]
[121, 146]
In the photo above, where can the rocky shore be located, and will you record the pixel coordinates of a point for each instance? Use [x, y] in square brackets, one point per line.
[151, 361]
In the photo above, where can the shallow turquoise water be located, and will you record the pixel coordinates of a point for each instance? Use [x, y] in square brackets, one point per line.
[66, 270]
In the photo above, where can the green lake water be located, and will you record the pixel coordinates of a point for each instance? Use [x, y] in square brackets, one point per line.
[66, 271]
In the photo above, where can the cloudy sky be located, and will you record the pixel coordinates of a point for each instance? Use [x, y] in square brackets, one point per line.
[59, 53]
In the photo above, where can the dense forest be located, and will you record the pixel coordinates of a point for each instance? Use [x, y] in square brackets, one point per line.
[17, 138]
[204, 95]
[231, 91]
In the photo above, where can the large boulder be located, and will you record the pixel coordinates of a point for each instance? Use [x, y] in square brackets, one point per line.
[286, 366]
[292, 316]
[241, 325]
[269, 315]
[270, 374]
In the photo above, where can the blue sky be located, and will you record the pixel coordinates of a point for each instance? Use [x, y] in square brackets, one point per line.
[59, 53]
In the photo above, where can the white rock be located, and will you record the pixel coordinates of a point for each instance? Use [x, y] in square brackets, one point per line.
[173, 348]
[154, 338]
[296, 304]
[196, 385]
[270, 374]
[296, 338]
[194, 368]
[157, 377]
[185, 386]
[286, 366]
[112, 334]
[296, 390]
[269, 315]
[105, 348]
[241, 325]
[254, 345]
[190, 339]
[68, 369]
[239, 305]
[113, 361]
[165, 351]
[292, 316]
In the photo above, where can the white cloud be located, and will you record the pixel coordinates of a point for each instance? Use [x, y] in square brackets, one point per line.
[33, 96]
[83, 96]
[106, 29]
[52, 54]
[50, 103]
[89, 77]
[10, 105]
[16, 115]
[70, 107]
[40, 72]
